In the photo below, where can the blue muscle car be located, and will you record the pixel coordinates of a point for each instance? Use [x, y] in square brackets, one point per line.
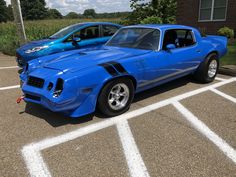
[136, 58]
[82, 35]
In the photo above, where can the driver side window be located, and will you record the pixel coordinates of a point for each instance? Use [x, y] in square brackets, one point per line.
[85, 34]
[180, 38]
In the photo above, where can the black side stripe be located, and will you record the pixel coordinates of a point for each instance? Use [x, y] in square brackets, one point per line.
[118, 67]
[109, 69]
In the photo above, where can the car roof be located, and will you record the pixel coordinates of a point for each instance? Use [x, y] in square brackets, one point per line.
[97, 23]
[161, 26]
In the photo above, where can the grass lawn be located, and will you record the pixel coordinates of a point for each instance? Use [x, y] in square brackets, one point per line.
[230, 57]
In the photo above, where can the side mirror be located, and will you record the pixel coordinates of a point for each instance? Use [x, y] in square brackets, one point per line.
[170, 47]
[76, 39]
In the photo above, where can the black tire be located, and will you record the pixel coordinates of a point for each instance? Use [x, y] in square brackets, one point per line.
[201, 74]
[103, 99]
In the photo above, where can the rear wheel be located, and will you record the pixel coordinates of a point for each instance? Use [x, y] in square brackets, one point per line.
[116, 97]
[208, 69]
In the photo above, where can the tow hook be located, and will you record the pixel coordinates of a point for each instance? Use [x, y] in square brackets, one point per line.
[18, 101]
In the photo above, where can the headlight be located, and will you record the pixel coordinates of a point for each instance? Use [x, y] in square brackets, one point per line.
[36, 49]
[58, 88]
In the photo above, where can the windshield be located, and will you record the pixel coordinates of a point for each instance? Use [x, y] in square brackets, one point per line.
[139, 38]
[64, 31]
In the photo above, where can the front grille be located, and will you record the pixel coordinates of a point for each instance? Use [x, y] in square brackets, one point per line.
[32, 97]
[35, 82]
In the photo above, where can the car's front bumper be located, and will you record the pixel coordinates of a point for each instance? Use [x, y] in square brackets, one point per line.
[70, 103]
[45, 99]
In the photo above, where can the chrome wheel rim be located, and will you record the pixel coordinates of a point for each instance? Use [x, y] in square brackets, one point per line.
[212, 68]
[118, 96]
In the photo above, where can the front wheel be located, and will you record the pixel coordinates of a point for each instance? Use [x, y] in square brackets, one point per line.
[208, 69]
[116, 97]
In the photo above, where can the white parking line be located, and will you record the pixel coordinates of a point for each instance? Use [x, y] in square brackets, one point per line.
[204, 130]
[224, 95]
[9, 67]
[10, 87]
[32, 154]
[37, 166]
[220, 79]
[132, 155]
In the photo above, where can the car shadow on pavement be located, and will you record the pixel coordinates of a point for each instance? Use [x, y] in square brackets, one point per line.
[57, 119]
[54, 119]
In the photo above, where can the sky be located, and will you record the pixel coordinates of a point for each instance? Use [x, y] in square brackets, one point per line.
[78, 6]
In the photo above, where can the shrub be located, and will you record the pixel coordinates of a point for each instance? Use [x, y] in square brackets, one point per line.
[225, 31]
[152, 20]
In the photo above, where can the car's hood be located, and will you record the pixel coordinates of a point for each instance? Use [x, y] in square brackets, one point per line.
[85, 59]
[38, 43]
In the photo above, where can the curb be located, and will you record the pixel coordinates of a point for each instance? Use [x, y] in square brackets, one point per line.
[229, 70]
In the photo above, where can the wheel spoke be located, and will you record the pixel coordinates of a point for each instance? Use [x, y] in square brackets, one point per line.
[111, 100]
[112, 92]
[123, 94]
[118, 89]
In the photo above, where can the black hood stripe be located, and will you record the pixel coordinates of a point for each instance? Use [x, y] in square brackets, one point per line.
[112, 67]
[109, 69]
[118, 67]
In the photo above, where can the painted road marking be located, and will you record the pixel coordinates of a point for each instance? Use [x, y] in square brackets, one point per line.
[34, 159]
[10, 87]
[132, 155]
[32, 154]
[204, 130]
[9, 67]
[228, 97]
[220, 79]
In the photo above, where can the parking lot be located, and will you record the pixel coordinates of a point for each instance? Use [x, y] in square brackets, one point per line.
[182, 128]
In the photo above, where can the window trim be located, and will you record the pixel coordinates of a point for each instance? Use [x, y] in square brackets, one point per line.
[190, 30]
[212, 12]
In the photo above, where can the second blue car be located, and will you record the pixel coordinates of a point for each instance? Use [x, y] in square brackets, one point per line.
[82, 35]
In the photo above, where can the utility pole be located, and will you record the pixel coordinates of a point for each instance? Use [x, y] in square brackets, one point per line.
[19, 21]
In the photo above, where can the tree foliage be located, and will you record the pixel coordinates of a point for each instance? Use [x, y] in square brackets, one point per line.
[54, 14]
[151, 20]
[89, 13]
[72, 15]
[10, 16]
[3, 10]
[33, 9]
[162, 9]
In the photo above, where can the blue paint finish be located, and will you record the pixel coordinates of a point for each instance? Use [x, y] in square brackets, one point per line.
[55, 45]
[84, 74]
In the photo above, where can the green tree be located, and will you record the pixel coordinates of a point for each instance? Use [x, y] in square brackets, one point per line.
[3, 10]
[33, 9]
[54, 14]
[10, 16]
[162, 9]
[90, 13]
[72, 15]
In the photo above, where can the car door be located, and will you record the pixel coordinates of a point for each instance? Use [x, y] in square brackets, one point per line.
[186, 55]
[165, 64]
